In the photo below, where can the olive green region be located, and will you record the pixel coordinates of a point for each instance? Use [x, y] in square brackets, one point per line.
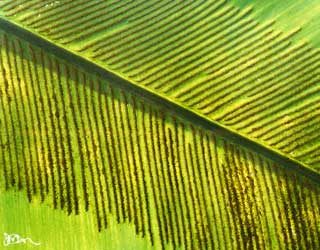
[55, 230]
[101, 157]
[251, 67]
[289, 15]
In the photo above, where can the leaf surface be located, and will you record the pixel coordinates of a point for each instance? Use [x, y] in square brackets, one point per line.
[190, 120]
[209, 56]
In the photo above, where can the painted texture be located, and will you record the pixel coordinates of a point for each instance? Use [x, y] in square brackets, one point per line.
[80, 144]
[54, 230]
[115, 163]
[231, 64]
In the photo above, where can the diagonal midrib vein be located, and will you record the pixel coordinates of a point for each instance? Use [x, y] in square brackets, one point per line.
[167, 103]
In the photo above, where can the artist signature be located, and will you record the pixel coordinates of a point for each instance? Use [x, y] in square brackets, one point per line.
[12, 239]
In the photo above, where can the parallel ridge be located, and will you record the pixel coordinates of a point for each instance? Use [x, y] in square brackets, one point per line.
[290, 14]
[83, 144]
[207, 55]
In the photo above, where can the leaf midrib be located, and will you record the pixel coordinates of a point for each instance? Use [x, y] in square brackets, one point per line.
[156, 98]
